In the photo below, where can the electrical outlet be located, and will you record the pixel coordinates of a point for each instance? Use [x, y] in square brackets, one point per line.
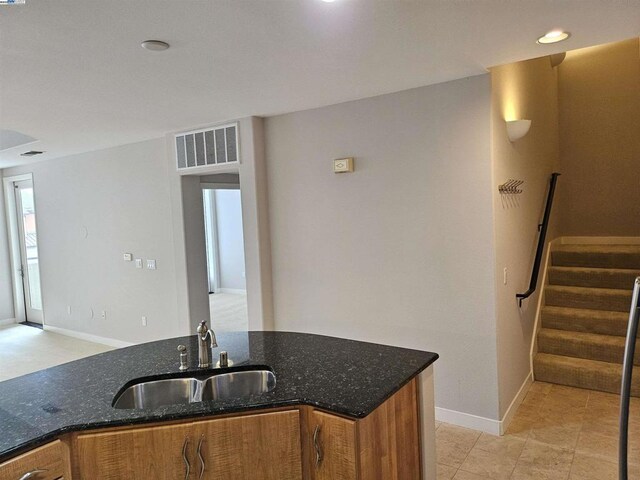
[138, 263]
[68, 309]
[103, 315]
[127, 257]
[144, 321]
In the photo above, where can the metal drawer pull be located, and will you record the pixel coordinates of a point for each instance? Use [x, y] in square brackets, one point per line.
[202, 466]
[32, 474]
[184, 457]
[316, 445]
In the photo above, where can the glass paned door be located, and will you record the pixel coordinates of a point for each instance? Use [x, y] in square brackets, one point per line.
[29, 263]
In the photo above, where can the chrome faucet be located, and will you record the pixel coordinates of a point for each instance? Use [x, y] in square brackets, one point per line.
[206, 341]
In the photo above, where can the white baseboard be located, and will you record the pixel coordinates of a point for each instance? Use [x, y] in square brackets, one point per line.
[8, 321]
[468, 421]
[232, 290]
[488, 425]
[600, 240]
[513, 408]
[111, 342]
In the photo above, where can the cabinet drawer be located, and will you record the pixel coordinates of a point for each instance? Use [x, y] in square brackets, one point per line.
[49, 458]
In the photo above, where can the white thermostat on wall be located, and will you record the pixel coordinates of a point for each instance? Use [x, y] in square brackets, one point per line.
[343, 165]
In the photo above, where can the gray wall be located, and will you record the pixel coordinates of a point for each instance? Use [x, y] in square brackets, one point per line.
[121, 196]
[6, 290]
[230, 241]
[402, 250]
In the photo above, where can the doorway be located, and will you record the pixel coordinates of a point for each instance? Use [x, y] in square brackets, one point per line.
[224, 240]
[21, 209]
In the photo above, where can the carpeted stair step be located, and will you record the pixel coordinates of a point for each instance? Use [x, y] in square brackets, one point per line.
[604, 348]
[621, 278]
[581, 373]
[586, 321]
[597, 256]
[591, 298]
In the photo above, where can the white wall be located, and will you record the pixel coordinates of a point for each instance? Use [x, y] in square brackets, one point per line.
[521, 90]
[6, 290]
[230, 240]
[121, 197]
[402, 250]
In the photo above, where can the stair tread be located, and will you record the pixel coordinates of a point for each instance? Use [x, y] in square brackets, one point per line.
[591, 346]
[598, 248]
[590, 290]
[597, 256]
[582, 373]
[593, 277]
[586, 312]
[583, 363]
[583, 337]
[603, 322]
[595, 270]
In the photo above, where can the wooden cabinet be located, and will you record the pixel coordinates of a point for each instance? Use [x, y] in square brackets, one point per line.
[49, 462]
[334, 447]
[385, 445]
[297, 443]
[260, 446]
[152, 452]
[257, 447]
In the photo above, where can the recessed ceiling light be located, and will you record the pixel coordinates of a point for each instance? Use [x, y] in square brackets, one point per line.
[155, 45]
[329, 1]
[554, 36]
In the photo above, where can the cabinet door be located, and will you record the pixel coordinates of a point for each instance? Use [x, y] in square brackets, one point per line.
[141, 453]
[333, 454]
[44, 463]
[252, 447]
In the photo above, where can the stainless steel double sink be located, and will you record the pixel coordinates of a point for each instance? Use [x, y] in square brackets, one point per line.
[177, 391]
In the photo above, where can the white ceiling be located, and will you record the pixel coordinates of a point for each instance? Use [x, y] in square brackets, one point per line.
[73, 74]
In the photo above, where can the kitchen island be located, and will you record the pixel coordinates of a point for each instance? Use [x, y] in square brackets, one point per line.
[331, 397]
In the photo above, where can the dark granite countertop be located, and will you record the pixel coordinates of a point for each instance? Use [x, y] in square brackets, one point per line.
[343, 376]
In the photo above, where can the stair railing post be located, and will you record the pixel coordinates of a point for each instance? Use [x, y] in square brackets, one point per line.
[627, 371]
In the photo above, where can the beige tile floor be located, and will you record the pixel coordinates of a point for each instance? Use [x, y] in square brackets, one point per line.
[27, 349]
[228, 312]
[558, 433]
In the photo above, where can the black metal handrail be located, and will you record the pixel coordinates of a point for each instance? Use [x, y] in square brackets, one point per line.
[543, 233]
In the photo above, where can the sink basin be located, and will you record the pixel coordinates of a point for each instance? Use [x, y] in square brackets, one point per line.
[175, 391]
[238, 384]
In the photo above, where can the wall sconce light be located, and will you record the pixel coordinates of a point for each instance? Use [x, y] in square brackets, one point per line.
[517, 129]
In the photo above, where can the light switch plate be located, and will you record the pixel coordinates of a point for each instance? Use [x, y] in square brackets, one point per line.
[151, 264]
[343, 165]
[138, 263]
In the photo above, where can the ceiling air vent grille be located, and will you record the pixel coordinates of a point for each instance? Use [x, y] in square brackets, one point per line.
[31, 153]
[203, 148]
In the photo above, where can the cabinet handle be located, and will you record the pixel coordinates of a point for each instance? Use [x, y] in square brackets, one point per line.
[32, 474]
[316, 445]
[184, 457]
[202, 466]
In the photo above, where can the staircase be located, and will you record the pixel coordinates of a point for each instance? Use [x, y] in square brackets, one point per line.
[584, 317]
